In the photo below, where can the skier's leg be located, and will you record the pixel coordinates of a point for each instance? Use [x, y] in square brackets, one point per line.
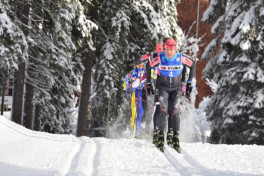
[140, 112]
[174, 110]
[160, 121]
[175, 122]
[145, 118]
[163, 101]
[133, 109]
[156, 112]
[170, 129]
[155, 117]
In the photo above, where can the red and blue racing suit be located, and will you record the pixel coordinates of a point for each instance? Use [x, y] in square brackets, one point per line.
[169, 84]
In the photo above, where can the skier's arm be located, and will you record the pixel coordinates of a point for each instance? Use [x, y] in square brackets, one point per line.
[192, 71]
[192, 65]
[142, 59]
[148, 79]
[189, 81]
[183, 74]
[148, 73]
[155, 61]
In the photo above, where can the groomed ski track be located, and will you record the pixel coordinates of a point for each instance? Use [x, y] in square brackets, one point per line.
[26, 153]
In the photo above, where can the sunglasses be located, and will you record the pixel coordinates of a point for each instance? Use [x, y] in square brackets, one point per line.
[169, 46]
[140, 66]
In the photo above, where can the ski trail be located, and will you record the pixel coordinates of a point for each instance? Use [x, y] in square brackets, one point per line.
[69, 159]
[82, 164]
[185, 164]
[179, 163]
[199, 167]
[96, 158]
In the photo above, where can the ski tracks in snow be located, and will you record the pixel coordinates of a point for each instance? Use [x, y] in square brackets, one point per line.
[184, 163]
[83, 161]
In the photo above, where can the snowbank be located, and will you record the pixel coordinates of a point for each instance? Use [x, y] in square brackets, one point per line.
[28, 153]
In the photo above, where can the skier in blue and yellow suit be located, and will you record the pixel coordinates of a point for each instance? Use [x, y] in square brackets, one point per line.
[130, 94]
[139, 78]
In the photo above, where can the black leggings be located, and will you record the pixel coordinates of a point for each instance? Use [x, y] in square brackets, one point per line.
[168, 105]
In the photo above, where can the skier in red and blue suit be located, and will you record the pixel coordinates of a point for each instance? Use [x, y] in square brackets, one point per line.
[169, 82]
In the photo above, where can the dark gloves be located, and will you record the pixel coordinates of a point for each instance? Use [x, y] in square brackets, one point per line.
[150, 89]
[188, 88]
[155, 55]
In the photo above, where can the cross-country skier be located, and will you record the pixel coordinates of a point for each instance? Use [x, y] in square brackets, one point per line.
[152, 81]
[130, 94]
[169, 83]
[139, 78]
[156, 112]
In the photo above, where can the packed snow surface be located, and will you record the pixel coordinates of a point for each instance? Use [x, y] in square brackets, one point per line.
[28, 153]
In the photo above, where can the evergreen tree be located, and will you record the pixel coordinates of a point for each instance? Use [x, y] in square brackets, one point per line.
[14, 51]
[13, 45]
[57, 34]
[60, 33]
[236, 108]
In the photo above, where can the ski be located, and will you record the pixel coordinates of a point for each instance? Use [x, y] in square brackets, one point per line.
[165, 147]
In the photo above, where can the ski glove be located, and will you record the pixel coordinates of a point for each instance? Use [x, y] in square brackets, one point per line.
[183, 89]
[150, 89]
[188, 88]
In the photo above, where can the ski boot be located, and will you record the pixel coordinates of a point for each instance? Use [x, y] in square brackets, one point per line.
[169, 137]
[160, 145]
[155, 137]
[176, 142]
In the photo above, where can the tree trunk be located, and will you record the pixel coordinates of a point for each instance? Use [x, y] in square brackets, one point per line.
[17, 107]
[7, 86]
[28, 104]
[18, 94]
[29, 94]
[3, 98]
[7, 89]
[83, 126]
[36, 118]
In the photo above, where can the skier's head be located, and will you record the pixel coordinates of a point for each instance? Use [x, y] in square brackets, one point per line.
[170, 47]
[159, 47]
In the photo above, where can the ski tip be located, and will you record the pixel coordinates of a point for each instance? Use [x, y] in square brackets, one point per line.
[160, 149]
[178, 150]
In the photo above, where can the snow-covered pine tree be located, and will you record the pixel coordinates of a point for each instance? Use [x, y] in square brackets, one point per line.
[13, 45]
[108, 58]
[57, 34]
[236, 108]
[14, 51]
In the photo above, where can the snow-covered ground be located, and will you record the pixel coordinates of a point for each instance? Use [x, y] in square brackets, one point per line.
[28, 153]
